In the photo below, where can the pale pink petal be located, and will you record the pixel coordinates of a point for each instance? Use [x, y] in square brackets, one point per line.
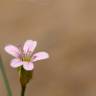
[16, 63]
[28, 66]
[29, 46]
[40, 56]
[12, 50]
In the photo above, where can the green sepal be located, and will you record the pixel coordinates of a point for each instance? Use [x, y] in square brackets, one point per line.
[25, 76]
[18, 70]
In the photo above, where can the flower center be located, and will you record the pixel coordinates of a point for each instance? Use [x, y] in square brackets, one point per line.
[25, 56]
[28, 59]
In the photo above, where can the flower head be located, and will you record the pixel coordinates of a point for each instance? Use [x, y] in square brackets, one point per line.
[24, 55]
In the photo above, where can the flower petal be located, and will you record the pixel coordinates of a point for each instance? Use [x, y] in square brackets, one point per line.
[12, 50]
[16, 63]
[28, 66]
[40, 56]
[29, 46]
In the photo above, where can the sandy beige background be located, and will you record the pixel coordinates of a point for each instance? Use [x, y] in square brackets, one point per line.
[64, 28]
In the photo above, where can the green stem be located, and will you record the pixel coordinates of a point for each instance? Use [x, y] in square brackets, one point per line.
[23, 88]
[5, 80]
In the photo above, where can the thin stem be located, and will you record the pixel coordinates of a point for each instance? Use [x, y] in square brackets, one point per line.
[23, 88]
[5, 80]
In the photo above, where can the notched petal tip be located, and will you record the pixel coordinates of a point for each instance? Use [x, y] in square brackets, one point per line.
[29, 45]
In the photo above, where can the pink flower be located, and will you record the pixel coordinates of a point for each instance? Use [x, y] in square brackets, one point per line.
[24, 55]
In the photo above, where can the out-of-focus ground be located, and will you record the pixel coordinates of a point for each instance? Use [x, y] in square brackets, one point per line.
[64, 28]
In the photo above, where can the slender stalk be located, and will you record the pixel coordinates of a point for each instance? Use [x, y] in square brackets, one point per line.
[5, 80]
[23, 88]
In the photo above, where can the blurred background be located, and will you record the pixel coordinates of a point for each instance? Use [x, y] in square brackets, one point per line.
[66, 29]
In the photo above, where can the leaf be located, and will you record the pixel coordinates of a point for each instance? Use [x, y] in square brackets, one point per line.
[5, 79]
